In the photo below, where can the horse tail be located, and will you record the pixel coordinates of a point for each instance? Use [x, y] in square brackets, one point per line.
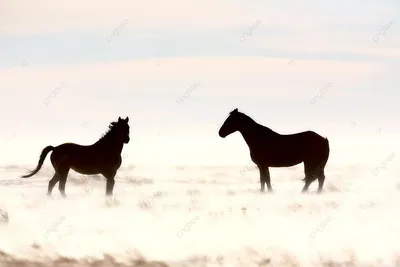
[325, 155]
[45, 151]
[327, 149]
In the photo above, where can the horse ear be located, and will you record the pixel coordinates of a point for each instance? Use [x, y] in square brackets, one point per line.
[119, 119]
[234, 111]
[127, 119]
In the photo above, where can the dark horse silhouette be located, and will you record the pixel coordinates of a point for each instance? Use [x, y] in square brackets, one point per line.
[102, 157]
[271, 149]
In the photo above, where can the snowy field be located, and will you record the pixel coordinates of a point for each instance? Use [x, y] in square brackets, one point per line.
[202, 216]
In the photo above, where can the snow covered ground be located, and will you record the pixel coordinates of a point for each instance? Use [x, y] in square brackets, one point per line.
[202, 216]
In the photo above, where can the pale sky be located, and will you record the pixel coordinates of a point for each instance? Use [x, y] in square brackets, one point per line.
[329, 66]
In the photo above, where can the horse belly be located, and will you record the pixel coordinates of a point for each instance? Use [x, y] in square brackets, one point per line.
[87, 165]
[279, 158]
[86, 170]
[284, 163]
[286, 158]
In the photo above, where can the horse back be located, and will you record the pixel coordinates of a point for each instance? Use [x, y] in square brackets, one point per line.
[290, 149]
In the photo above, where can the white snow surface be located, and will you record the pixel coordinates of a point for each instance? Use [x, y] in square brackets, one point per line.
[202, 216]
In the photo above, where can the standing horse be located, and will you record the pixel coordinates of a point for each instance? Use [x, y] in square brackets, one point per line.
[271, 149]
[102, 157]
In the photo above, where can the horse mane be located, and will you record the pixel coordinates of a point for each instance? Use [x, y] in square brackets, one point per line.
[250, 120]
[109, 132]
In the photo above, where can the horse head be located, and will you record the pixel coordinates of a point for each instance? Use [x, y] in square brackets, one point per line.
[121, 129]
[231, 124]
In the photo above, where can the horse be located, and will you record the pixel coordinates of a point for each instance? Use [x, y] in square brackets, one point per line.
[102, 157]
[271, 149]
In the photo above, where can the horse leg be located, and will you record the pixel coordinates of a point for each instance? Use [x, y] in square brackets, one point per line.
[265, 178]
[52, 183]
[308, 181]
[110, 182]
[321, 179]
[262, 178]
[310, 177]
[319, 173]
[63, 181]
[110, 186]
[268, 179]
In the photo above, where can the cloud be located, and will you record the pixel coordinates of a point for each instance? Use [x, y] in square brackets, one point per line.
[21, 17]
[101, 92]
[356, 45]
[240, 76]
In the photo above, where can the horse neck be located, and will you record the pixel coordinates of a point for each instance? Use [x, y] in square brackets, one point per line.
[111, 145]
[253, 132]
